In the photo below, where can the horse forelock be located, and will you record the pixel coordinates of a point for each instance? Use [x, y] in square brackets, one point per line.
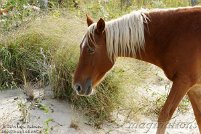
[89, 36]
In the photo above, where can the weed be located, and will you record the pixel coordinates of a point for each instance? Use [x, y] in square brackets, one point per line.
[47, 127]
[24, 109]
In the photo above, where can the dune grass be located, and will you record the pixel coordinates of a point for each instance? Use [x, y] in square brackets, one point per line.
[21, 59]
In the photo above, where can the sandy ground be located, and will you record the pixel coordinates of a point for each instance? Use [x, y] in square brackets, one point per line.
[18, 115]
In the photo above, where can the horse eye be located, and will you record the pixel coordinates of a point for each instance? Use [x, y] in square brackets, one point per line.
[91, 51]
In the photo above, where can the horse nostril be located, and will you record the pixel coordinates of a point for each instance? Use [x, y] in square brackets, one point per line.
[78, 87]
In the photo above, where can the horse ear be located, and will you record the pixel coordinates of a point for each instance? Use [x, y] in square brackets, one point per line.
[100, 25]
[89, 20]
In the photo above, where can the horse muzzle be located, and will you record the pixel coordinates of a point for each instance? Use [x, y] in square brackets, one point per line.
[83, 90]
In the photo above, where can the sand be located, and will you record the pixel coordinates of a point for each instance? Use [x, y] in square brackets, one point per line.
[49, 115]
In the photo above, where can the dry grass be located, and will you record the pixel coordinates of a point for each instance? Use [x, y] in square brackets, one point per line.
[74, 125]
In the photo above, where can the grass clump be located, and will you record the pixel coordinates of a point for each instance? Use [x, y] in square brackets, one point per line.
[22, 59]
[108, 98]
[46, 51]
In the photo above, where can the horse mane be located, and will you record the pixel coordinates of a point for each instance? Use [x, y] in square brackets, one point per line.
[124, 35]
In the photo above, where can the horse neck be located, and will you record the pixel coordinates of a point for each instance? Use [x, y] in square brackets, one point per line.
[150, 50]
[149, 53]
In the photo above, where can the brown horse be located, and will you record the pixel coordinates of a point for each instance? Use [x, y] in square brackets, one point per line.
[169, 39]
[6, 10]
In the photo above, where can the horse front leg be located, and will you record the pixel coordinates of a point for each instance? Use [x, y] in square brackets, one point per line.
[179, 89]
[194, 95]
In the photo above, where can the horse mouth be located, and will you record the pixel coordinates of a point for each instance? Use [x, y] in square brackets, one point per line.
[87, 92]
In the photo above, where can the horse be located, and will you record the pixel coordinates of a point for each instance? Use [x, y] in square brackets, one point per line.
[5, 10]
[167, 38]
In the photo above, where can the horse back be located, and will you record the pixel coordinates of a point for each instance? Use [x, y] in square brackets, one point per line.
[175, 38]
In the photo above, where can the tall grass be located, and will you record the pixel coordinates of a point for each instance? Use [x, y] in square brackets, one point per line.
[22, 59]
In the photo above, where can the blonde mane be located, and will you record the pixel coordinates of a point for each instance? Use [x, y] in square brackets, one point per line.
[124, 35]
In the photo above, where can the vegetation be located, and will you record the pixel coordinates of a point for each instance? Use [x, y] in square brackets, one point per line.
[46, 53]
[44, 50]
